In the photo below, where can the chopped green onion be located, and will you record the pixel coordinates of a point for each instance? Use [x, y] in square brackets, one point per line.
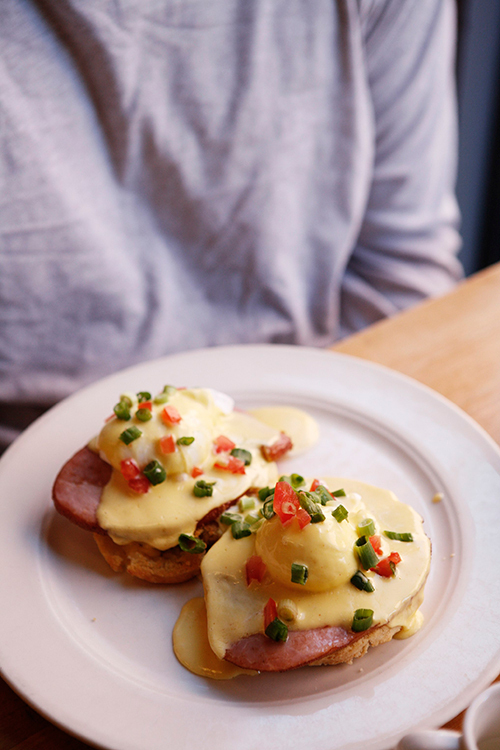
[203, 489]
[265, 492]
[246, 503]
[252, 518]
[143, 396]
[362, 620]
[287, 610]
[367, 555]
[277, 631]
[405, 536]
[257, 525]
[267, 509]
[243, 455]
[122, 410]
[362, 582]
[130, 434]
[239, 529]
[300, 573]
[340, 513]
[128, 398]
[191, 544]
[155, 472]
[366, 527]
[229, 518]
[296, 480]
[143, 415]
[338, 493]
[306, 500]
[185, 440]
[164, 396]
[323, 495]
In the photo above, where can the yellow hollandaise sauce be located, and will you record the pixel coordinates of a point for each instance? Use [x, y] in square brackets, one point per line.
[191, 646]
[309, 571]
[292, 421]
[176, 457]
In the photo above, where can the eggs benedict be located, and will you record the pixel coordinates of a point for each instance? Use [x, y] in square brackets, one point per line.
[328, 569]
[154, 481]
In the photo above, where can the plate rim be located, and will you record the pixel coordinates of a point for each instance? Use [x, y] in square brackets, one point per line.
[62, 406]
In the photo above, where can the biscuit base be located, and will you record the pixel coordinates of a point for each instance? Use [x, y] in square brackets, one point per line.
[153, 565]
[347, 654]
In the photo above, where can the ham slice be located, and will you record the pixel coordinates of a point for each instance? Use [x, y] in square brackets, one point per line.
[78, 487]
[302, 647]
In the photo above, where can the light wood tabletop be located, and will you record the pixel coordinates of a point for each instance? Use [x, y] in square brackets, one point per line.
[451, 344]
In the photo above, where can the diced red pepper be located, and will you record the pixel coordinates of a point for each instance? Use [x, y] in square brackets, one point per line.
[286, 503]
[223, 443]
[387, 566]
[146, 405]
[129, 469]
[140, 484]
[376, 544]
[270, 612]
[315, 484]
[196, 472]
[233, 465]
[170, 415]
[167, 444]
[303, 517]
[255, 569]
[278, 449]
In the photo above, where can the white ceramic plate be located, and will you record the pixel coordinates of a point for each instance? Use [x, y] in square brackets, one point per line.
[91, 650]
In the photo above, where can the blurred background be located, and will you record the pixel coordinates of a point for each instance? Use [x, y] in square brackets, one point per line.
[478, 184]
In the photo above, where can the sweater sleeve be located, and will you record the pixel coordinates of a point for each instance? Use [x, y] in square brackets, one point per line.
[408, 242]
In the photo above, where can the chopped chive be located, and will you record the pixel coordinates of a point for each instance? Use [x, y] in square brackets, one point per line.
[243, 455]
[143, 415]
[405, 536]
[338, 493]
[122, 410]
[367, 555]
[257, 525]
[155, 472]
[287, 610]
[296, 480]
[277, 631]
[239, 529]
[267, 509]
[163, 397]
[246, 503]
[340, 513]
[191, 544]
[229, 518]
[362, 582]
[203, 489]
[185, 440]
[129, 399]
[130, 434]
[143, 396]
[362, 620]
[299, 573]
[306, 500]
[322, 493]
[366, 527]
[264, 493]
